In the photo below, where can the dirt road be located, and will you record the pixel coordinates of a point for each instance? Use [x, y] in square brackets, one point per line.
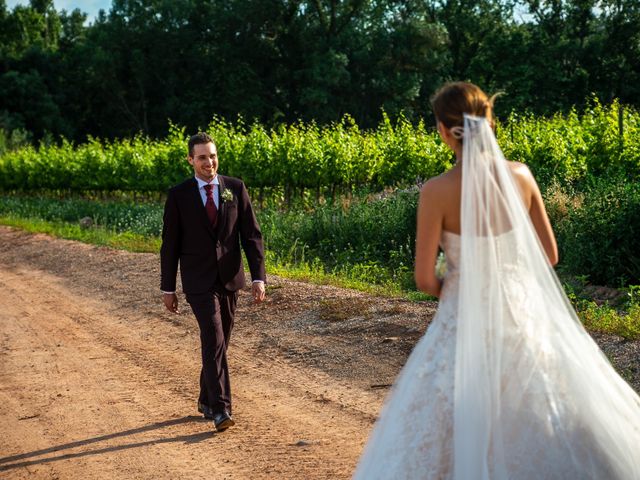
[97, 381]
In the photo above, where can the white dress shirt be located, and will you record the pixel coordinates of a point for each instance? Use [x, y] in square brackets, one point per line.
[216, 190]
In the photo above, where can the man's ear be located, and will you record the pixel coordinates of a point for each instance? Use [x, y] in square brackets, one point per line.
[190, 159]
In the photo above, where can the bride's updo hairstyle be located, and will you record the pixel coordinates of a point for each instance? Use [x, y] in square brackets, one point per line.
[453, 100]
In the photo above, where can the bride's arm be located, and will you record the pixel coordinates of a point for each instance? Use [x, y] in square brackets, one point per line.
[428, 234]
[538, 213]
[541, 223]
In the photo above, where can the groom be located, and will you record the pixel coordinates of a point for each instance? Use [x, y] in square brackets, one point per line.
[206, 219]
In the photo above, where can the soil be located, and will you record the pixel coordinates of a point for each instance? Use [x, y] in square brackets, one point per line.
[98, 381]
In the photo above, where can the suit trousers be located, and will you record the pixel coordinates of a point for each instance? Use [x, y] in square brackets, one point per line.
[214, 312]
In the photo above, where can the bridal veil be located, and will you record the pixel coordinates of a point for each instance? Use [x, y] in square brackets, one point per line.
[506, 383]
[534, 397]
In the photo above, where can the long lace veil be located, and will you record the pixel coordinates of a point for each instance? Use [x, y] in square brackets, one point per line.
[530, 383]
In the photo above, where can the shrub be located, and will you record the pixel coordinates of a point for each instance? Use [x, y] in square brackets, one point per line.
[338, 157]
[600, 235]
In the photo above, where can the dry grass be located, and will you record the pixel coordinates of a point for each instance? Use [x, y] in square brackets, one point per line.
[341, 309]
[559, 202]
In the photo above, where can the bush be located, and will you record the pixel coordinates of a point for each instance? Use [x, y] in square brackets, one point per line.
[373, 236]
[599, 232]
[139, 218]
[573, 148]
[304, 157]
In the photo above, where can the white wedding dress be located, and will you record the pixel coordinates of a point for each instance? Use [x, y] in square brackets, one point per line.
[413, 438]
[506, 383]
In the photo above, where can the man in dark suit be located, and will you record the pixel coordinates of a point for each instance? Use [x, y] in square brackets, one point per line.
[206, 219]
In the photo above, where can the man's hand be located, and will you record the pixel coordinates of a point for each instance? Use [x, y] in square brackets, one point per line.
[257, 291]
[171, 302]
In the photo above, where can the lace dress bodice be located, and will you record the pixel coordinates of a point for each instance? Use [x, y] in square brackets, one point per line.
[450, 244]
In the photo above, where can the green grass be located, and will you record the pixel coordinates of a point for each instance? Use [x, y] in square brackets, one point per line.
[316, 273]
[132, 242]
[607, 319]
[313, 272]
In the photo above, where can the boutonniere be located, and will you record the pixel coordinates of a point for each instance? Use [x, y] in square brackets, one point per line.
[227, 195]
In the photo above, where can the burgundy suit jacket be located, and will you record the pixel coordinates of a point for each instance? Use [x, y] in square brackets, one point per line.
[205, 252]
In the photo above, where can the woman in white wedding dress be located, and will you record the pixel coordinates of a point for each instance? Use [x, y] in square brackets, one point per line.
[506, 383]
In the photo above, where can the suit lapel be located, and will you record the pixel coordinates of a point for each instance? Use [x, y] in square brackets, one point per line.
[222, 209]
[199, 206]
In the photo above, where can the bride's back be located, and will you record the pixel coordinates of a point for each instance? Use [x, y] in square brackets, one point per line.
[441, 197]
[449, 193]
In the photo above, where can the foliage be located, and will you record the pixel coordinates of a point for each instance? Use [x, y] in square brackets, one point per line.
[295, 157]
[13, 140]
[330, 159]
[128, 165]
[370, 239]
[144, 219]
[606, 319]
[619, 314]
[146, 61]
[570, 148]
[599, 235]
[367, 241]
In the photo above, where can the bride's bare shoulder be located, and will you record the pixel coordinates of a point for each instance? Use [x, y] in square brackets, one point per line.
[442, 182]
[525, 180]
[522, 174]
[520, 169]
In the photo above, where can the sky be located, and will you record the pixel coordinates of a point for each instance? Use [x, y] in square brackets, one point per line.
[90, 7]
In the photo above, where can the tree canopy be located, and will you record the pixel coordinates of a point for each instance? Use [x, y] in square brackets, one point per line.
[146, 63]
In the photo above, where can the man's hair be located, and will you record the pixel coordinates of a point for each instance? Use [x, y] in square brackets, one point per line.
[197, 139]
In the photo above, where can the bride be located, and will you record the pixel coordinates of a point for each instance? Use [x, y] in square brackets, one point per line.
[506, 383]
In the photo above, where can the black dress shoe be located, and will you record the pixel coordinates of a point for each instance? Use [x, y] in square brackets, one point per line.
[222, 421]
[206, 410]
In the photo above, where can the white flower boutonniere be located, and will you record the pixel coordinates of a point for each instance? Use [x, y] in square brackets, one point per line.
[227, 195]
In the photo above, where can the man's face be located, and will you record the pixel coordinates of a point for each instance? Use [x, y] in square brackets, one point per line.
[204, 161]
